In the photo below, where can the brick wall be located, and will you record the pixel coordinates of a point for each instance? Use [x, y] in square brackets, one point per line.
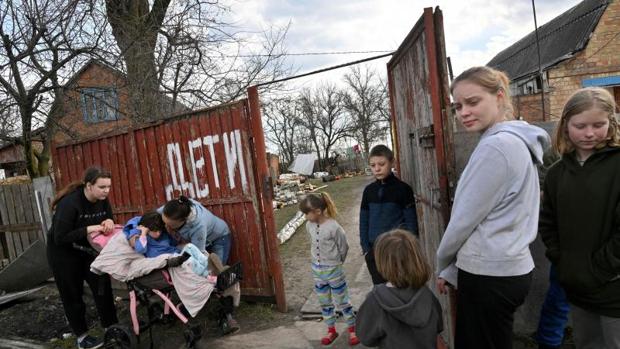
[600, 58]
[95, 75]
[528, 107]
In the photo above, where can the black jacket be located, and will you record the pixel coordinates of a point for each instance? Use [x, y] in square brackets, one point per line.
[386, 205]
[72, 215]
[579, 223]
[399, 318]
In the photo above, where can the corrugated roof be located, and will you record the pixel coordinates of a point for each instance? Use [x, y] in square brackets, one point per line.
[559, 39]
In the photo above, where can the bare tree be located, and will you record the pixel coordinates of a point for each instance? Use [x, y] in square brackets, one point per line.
[186, 50]
[39, 39]
[282, 126]
[366, 101]
[325, 118]
[9, 119]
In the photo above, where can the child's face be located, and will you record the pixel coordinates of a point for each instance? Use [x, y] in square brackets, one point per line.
[313, 215]
[381, 166]
[587, 129]
[155, 234]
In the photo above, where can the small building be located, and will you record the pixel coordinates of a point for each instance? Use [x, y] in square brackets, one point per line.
[12, 159]
[578, 48]
[273, 164]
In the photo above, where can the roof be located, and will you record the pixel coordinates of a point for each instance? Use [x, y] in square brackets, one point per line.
[559, 40]
[35, 134]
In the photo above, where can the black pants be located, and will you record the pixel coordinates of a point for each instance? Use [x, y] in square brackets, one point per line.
[71, 268]
[377, 278]
[485, 309]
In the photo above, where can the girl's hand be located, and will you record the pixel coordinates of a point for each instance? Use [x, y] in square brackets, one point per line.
[107, 226]
[443, 285]
[143, 230]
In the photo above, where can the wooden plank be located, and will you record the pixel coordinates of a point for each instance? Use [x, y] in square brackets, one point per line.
[20, 227]
[29, 211]
[4, 218]
[18, 217]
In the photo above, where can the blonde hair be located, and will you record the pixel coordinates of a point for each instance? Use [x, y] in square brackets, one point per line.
[321, 201]
[582, 100]
[400, 259]
[491, 80]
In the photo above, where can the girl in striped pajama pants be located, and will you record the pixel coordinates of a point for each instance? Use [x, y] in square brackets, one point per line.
[328, 250]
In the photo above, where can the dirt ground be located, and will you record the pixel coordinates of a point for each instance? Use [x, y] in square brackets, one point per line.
[40, 316]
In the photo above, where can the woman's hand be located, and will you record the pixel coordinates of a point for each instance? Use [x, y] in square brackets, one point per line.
[443, 285]
[107, 226]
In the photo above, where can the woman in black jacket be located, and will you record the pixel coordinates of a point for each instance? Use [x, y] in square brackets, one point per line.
[79, 209]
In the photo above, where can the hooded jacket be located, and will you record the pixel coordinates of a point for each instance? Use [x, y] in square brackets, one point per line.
[495, 212]
[393, 317]
[580, 225]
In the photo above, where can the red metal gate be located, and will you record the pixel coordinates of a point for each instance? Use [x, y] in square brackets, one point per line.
[422, 124]
[216, 156]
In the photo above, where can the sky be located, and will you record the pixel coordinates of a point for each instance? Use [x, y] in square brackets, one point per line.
[475, 30]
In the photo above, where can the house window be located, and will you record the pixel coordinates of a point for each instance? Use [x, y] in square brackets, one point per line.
[99, 104]
[528, 86]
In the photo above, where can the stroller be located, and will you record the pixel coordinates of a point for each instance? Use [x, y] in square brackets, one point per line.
[158, 283]
[162, 309]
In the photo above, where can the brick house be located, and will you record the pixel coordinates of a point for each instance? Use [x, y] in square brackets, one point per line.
[578, 48]
[96, 103]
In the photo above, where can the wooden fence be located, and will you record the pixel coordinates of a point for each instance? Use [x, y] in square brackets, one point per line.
[21, 209]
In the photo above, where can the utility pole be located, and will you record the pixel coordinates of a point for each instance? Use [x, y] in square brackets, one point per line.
[540, 72]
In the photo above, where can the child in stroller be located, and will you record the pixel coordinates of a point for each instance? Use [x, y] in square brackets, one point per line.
[148, 277]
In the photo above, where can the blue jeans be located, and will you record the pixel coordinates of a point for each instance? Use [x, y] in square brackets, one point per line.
[554, 313]
[221, 247]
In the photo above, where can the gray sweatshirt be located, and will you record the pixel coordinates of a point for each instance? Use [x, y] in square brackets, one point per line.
[399, 318]
[495, 212]
[328, 243]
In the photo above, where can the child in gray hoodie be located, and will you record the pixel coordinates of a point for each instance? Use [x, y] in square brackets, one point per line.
[495, 213]
[402, 313]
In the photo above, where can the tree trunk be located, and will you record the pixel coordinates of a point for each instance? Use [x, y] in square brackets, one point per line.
[26, 115]
[135, 29]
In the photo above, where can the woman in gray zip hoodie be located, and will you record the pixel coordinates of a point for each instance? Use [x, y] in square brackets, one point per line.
[485, 248]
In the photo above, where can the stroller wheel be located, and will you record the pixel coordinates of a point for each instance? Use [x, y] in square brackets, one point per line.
[120, 336]
[192, 333]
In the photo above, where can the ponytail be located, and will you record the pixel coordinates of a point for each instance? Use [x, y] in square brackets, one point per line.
[91, 175]
[330, 207]
[322, 201]
[178, 209]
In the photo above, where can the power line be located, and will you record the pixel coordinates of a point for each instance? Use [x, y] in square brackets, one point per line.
[301, 54]
[325, 69]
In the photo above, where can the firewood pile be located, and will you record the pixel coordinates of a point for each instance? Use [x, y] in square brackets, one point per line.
[288, 193]
[15, 180]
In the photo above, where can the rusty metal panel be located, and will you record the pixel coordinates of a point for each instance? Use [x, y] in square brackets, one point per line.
[420, 111]
[207, 155]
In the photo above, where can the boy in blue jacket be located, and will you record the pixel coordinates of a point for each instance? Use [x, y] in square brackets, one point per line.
[147, 235]
[388, 203]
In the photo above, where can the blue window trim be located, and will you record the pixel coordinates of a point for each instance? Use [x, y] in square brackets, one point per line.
[601, 82]
[99, 104]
